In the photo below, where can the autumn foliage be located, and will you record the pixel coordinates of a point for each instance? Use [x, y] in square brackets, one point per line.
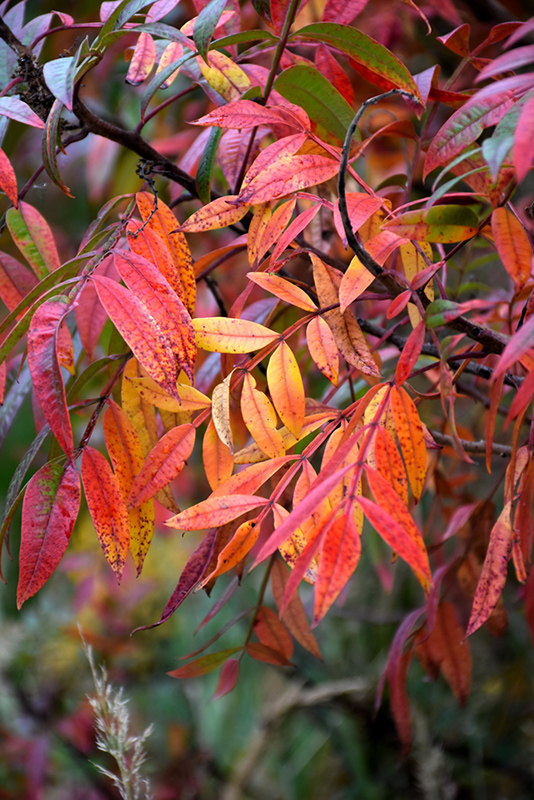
[318, 302]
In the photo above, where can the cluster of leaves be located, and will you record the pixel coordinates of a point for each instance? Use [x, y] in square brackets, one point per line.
[307, 427]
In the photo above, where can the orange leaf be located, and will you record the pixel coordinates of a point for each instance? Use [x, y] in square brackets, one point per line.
[107, 508]
[286, 388]
[340, 553]
[215, 511]
[283, 289]
[258, 225]
[389, 463]
[494, 571]
[323, 349]
[250, 479]
[218, 214]
[347, 333]
[260, 419]
[293, 547]
[126, 455]
[411, 439]
[163, 222]
[294, 617]
[275, 227]
[217, 457]
[164, 462]
[229, 335]
[185, 398]
[513, 246]
[237, 548]
[272, 633]
[354, 282]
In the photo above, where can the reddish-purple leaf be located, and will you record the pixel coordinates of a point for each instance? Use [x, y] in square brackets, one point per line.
[523, 146]
[49, 511]
[45, 369]
[15, 281]
[193, 572]
[294, 617]
[272, 633]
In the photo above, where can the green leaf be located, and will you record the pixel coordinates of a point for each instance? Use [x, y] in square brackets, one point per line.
[439, 224]
[205, 166]
[440, 312]
[366, 51]
[304, 86]
[51, 140]
[242, 36]
[205, 24]
[205, 664]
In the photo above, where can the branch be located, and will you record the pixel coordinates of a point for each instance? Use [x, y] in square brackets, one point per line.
[490, 340]
[90, 123]
[502, 450]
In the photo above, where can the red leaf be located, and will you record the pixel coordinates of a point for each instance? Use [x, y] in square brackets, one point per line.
[8, 180]
[523, 147]
[164, 462]
[151, 346]
[410, 353]
[228, 678]
[327, 64]
[142, 61]
[396, 527]
[46, 371]
[342, 11]
[15, 281]
[245, 114]
[400, 703]
[340, 554]
[261, 652]
[215, 511]
[90, 313]
[272, 633]
[465, 126]
[294, 617]
[107, 508]
[288, 174]
[163, 304]
[49, 511]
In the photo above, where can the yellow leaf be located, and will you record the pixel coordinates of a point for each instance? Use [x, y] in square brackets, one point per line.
[229, 335]
[286, 388]
[260, 418]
